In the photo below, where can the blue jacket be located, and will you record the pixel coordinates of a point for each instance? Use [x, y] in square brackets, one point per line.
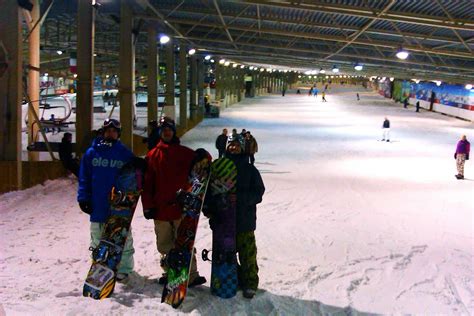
[99, 167]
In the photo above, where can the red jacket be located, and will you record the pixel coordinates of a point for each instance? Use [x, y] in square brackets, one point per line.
[167, 171]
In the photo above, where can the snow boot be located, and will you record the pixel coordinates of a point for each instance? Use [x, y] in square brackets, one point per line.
[459, 176]
[163, 279]
[199, 280]
[249, 293]
[121, 277]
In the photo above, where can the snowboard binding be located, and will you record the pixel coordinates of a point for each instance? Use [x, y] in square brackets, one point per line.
[120, 199]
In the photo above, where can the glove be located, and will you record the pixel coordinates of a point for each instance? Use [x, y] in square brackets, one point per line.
[455, 155]
[149, 213]
[86, 207]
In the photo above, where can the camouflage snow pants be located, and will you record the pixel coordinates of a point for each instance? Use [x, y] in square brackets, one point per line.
[460, 160]
[247, 269]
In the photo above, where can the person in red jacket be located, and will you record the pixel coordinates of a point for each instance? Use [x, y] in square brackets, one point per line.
[168, 166]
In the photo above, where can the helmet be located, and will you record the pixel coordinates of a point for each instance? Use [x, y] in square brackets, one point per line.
[166, 121]
[112, 123]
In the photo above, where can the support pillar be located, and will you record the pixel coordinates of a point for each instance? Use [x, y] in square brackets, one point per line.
[11, 94]
[152, 81]
[34, 79]
[127, 73]
[194, 76]
[183, 86]
[169, 97]
[85, 71]
[200, 88]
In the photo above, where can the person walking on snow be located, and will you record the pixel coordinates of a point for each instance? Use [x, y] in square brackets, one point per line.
[251, 146]
[323, 96]
[386, 130]
[221, 142]
[65, 154]
[99, 167]
[250, 190]
[168, 166]
[461, 155]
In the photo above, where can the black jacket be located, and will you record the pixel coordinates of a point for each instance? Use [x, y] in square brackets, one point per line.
[221, 142]
[250, 189]
[386, 124]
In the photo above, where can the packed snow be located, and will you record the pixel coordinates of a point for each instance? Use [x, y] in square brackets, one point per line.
[348, 224]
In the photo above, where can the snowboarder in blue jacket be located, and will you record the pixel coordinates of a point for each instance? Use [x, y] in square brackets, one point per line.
[99, 167]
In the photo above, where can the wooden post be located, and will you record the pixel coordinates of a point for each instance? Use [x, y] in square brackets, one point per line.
[183, 86]
[127, 73]
[85, 71]
[34, 79]
[11, 59]
[152, 82]
[169, 99]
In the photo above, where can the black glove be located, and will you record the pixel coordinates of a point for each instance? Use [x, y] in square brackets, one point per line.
[85, 206]
[467, 157]
[455, 155]
[149, 213]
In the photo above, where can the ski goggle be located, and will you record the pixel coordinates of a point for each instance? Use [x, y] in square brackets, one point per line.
[112, 123]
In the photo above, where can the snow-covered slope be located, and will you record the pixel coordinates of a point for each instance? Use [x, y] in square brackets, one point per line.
[348, 224]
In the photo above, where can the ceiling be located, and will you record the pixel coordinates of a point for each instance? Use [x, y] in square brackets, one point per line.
[302, 35]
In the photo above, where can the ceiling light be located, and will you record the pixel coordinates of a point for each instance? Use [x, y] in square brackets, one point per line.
[358, 67]
[402, 53]
[234, 66]
[468, 86]
[164, 39]
[391, 79]
[242, 66]
[322, 71]
[335, 69]
[212, 60]
[59, 52]
[208, 57]
[222, 61]
[192, 51]
[227, 63]
[438, 83]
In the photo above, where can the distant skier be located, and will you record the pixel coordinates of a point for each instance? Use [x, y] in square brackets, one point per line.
[168, 166]
[221, 142]
[251, 146]
[358, 97]
[65, 154]
[323, 96]
[310, 92]
[405, 103]
[461, 155]
[417, 106]
[386, 130]
[99, 167]
[250, 189]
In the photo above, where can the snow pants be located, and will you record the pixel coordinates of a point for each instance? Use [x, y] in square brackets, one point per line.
[386, 134]
[126, 263]
[166, 233]
[247, 268]
[460, 160]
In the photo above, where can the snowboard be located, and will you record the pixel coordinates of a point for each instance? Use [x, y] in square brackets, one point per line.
[100, 281]
[177, 262]
[223, 186]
